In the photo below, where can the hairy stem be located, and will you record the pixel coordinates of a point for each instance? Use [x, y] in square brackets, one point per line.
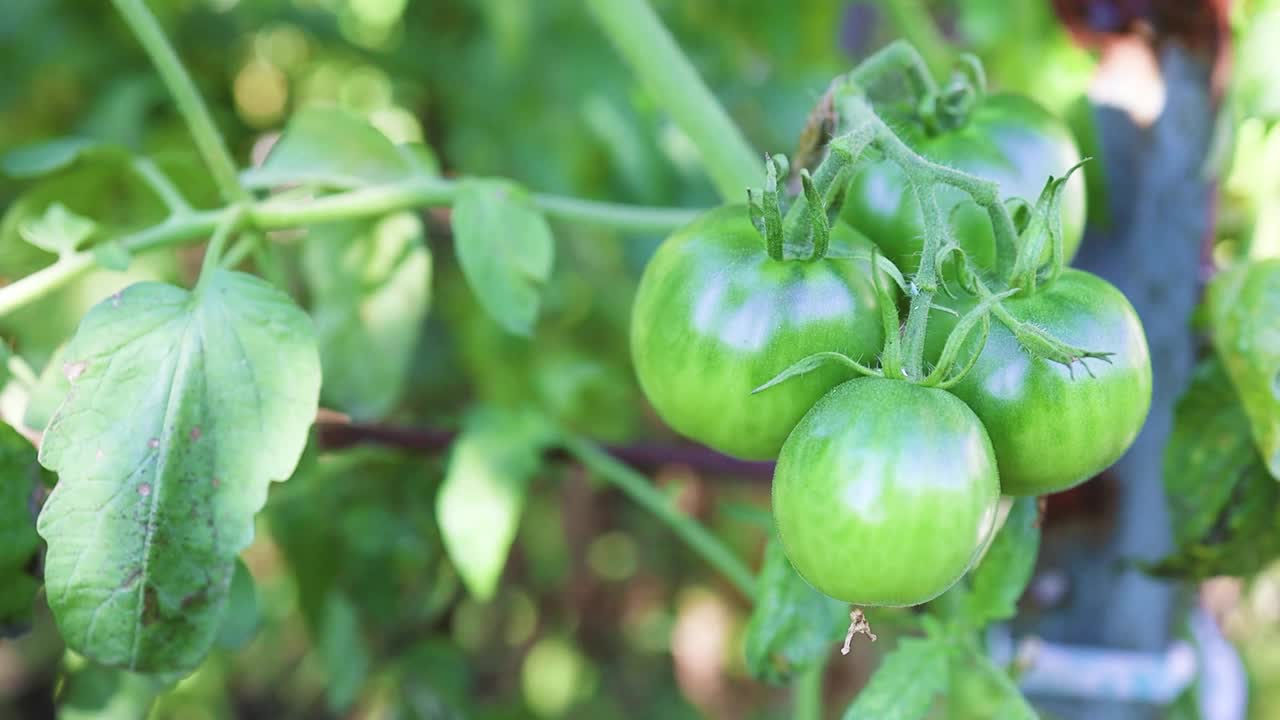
[275, 214]
[196, 114]
[639, 489]
[671, 79]
[806, 693]
[896, 57]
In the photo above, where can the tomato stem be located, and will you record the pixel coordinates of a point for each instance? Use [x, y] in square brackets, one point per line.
[639, 489]
[188, 226]
[671, 79]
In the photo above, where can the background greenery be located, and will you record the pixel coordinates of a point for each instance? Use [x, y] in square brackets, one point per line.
[353, 608]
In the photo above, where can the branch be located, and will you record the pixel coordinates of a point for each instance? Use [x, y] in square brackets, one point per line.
[338, 435]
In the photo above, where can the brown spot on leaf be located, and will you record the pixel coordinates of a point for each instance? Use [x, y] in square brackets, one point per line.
[144, 489]
[195, 599]
[217, 483]
[150, 605]
[195, 433]
[133, 577]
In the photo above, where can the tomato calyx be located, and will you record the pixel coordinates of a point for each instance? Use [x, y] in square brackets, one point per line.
[949, 109]
[1041, 232]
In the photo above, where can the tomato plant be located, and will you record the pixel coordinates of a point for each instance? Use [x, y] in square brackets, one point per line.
[716, 317]
[866, 471]
[327, 394]
[1056, 425]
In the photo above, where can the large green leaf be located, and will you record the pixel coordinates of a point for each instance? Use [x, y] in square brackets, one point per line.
[370, 284]
[1223, 503]
[183, 407]
[337, 149]
[242, 617]
[484, 490]
[19, 475]
[505, 248]
[1244, 303]
[997, 583]
[905, 684]
[792, 625]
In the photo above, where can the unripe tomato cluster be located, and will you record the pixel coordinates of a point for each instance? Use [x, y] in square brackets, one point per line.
[885, 491]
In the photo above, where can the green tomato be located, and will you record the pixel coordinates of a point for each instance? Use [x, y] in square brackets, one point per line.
[885, 493]
[1008, 139]
[715, 318]
[1054, 427]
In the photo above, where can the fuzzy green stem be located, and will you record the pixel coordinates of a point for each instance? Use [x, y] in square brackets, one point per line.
[643, 492]
[896, 57]
[226, 228]
[806, 694]
[671, 79]
[276, 214]
[190, 104]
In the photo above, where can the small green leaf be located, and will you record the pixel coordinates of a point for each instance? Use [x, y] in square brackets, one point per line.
[241, 619]
[905, 684]
[19, 544]
[505, 248]
[342, 649]
[1208, 450]
[106, 191]
[792, 626]
[58, 231]
[370, 284]
[998, 582]
[1244, 303]
[184, 406]
[1224, 506]
[333, 148]
[813, 362]
[484, 490]
[42, 158]
[111, 255]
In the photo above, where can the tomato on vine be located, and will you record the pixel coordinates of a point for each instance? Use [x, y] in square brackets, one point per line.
[1005, 138]
[1055, 425]
[715, 317]
[885, 492]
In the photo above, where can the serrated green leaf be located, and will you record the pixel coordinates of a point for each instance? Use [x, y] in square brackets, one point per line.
[346, 661]
[792, 626]
[333, 148]
[505, 249]
[19, 475]
[1006, 568]
[981, 689]
[906, 683]
[58, 230]
[1224, 505]
[1208, 450]
[479, 503]
[184, 406]
[370, 284]
[1244, 303]
[241, 619]
[42, 158]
